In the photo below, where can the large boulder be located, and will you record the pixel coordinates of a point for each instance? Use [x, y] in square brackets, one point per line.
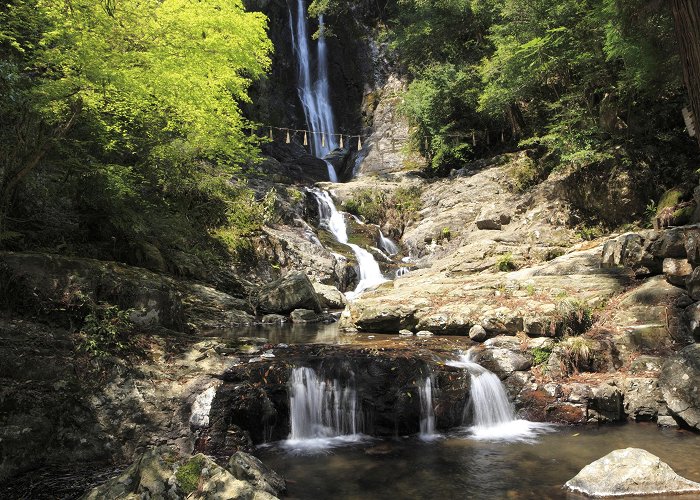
[248, 468]
[163, 473]
[679, 385]
[294, 291]
[330, 296]
[628, 472]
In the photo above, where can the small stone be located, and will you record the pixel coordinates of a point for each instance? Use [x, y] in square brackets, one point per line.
[305, 316]
[273, 319]
[424, 333]
[478, 334]
[406, 333]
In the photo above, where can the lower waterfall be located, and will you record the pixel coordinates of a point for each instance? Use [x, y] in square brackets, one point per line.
[427, 414]
[492, 414]
[321, 410]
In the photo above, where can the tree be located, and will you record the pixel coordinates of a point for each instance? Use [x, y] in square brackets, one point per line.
[686, 14]
[142, 73]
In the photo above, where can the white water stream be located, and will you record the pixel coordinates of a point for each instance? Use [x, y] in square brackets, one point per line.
[331, 219]
[321, 411]
[314, 90]
[427, 414]
[493, 417]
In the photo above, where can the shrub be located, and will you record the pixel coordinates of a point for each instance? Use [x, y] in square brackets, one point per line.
[572, 317]
[505, 262]
[541, 355]
[578, 354]
[105, 331]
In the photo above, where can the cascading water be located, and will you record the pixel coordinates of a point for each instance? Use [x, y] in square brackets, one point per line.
[331, 219]
[492, 414]
[321, 410]
[427, 414]
[387, 245]
[314, 93]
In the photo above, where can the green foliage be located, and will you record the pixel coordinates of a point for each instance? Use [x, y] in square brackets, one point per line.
[578, 354]
[541, 355]
[589, 233]
[396, 209]
[188, 474]
[105, 331]
[572, 317]
[505, 262]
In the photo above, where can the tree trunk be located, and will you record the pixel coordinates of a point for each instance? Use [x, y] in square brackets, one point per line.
[686, 15]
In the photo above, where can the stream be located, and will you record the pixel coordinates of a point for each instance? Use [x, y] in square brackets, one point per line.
[459, 467]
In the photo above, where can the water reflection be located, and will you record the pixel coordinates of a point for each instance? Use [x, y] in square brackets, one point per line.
[459, 467]
[287, 333]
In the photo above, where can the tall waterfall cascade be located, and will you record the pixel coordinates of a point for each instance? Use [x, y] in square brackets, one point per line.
[321, 409]
[332, 219]
[427, 414]
[493, 417]
[314, 89]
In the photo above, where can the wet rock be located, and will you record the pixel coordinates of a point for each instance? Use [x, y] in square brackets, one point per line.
[305, 316]
[248, 468]
[606, 404]
[294, 291]
[679, 385]
[631, 471]
[273, 319]
[478, 334]
[677, 271]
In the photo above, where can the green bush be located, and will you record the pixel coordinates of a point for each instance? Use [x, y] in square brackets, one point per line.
[189, 473]
[505, 262]
[541, 355]
[105, 331]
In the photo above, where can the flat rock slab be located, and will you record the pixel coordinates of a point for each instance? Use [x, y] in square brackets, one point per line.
[630, 472]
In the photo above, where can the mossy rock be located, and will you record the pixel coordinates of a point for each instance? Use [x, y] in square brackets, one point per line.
[673, 197]
[189, 473]
[684, 215]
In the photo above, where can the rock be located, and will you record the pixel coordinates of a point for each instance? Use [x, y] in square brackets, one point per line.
[489, 223]
[607, 403]
[424, 333]
[248, 468]
[478, 334]
[304, 316]
[273, 319]
[294, 291]
[692, 283]
[631, 250]
[642, 399]
[201, 408]
[692, 245]
[503, 362]
[631, 471]
[679, 383]
[406, 333]
[692, 320]
[163, 473]
[669, 244]
[677, 270]
[329, 296]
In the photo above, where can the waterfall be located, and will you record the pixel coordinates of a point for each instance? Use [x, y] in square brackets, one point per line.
[492, 414]
[387, 245]
[314, 93]
[321, 409]
[427, 415]
[331, 219]
[402, 271]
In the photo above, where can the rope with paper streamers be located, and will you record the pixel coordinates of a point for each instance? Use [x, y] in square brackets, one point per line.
[289, 134]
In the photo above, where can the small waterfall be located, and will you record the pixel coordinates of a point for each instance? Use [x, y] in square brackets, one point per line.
[387, 245]
[332, 176]
[314, 92]
[402, 271]
[427, 414]
[331, 219]
[321, 409]
[492, 413]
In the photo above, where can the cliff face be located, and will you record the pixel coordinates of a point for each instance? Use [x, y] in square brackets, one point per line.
[351, 70]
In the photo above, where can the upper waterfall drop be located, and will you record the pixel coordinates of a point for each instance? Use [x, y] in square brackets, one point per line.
[314, 90]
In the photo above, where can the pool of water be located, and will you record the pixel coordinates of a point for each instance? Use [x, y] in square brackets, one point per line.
[459, 467]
